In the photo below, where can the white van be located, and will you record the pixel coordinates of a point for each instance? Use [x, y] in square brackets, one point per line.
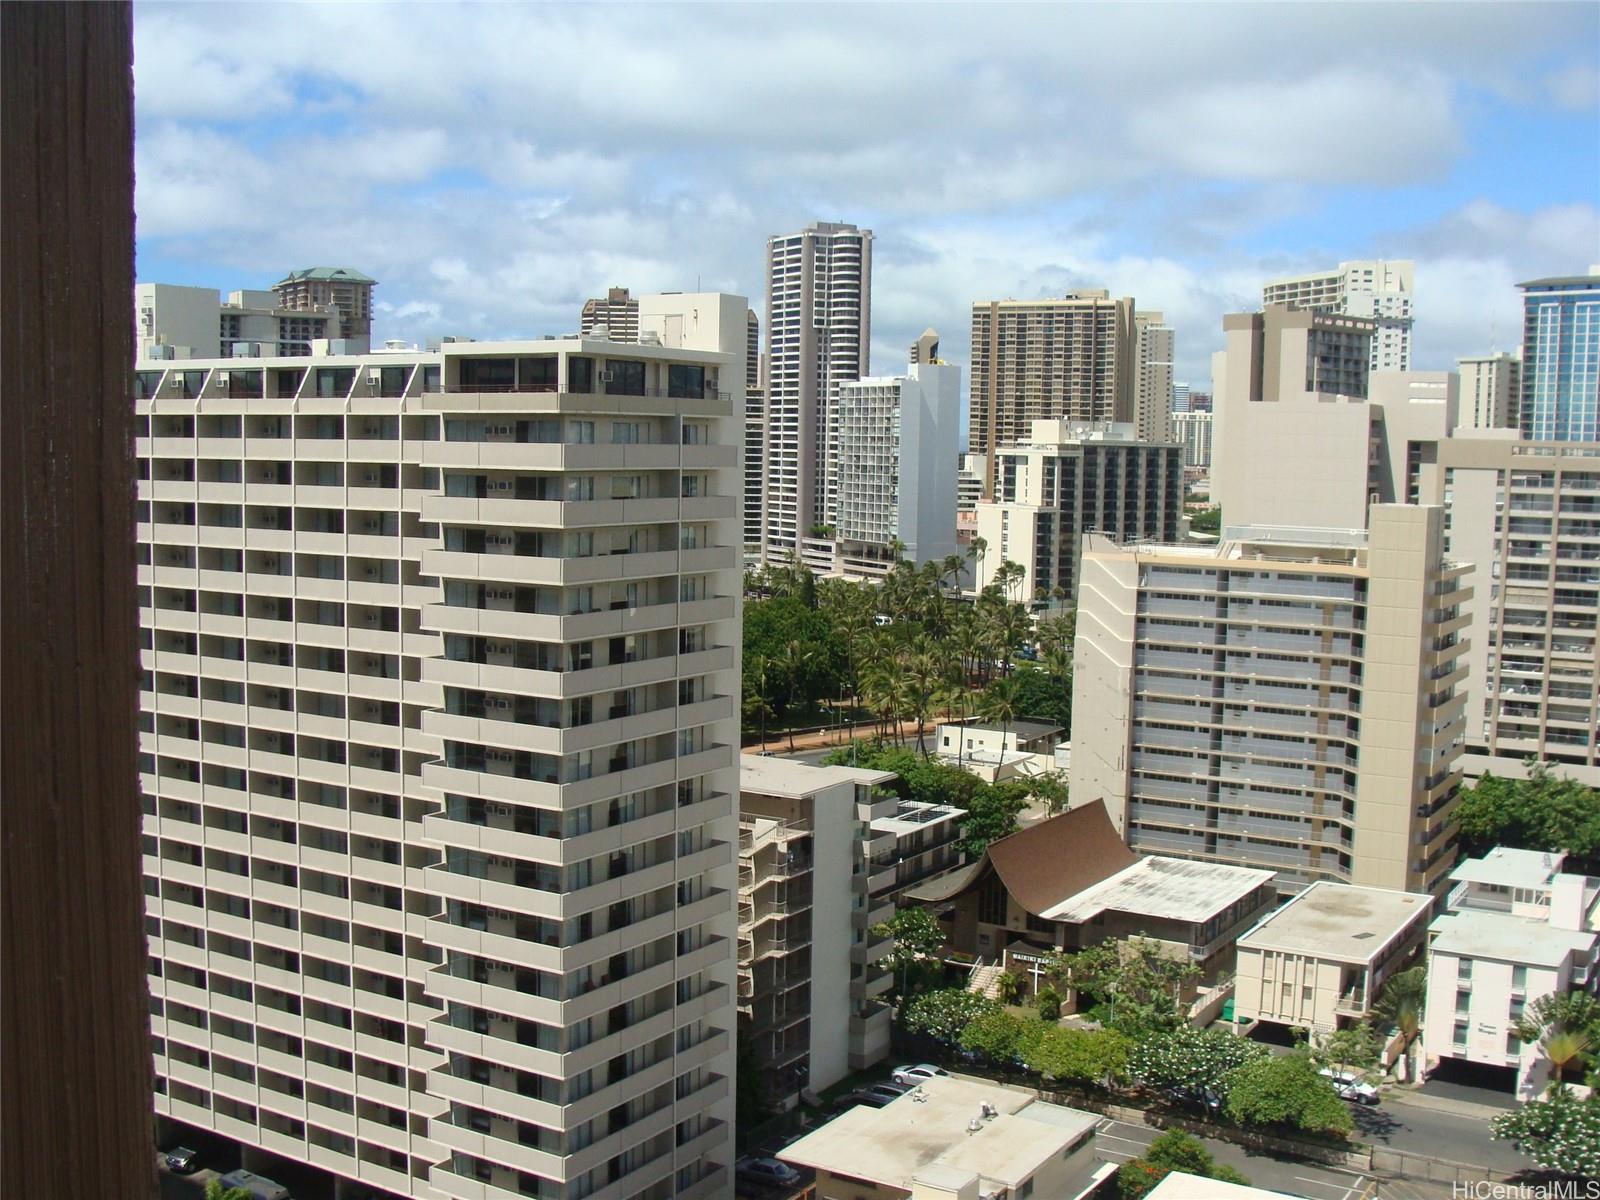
[259, 1186]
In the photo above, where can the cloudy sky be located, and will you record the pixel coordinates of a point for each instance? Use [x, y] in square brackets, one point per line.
[492, 165]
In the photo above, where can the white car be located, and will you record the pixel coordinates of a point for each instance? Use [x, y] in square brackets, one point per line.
[766, 1170]
[1350, 1086]
[912, 1076]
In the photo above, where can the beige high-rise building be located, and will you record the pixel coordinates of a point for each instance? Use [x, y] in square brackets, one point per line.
[1288, 699]
[925, 349]
[1528, 515]
[317, 289]
[819, 335]
[177, 322]
[1153, 391]
[1373, 289]
[617, 313]
[1303, 435]
[440, 716]
[1073, 358]
[1491, 387]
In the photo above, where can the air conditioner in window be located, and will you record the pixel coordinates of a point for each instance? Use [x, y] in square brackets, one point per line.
[607, 376]
[499, 810]
[500, 430]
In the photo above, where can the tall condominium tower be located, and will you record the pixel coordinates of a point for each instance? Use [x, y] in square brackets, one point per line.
[819, 306]
[617, 312]
[1154, 391]
[1491, 390]
[1063, 481]
[1072, 358]
[1193, 431]
[439, 706]
[316, 289]
[1374, 289]
[898, 438]
[1288, 699]
[1561, 358]
[925, 349]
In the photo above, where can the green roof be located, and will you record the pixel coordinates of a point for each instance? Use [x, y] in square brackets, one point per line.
[338, 274]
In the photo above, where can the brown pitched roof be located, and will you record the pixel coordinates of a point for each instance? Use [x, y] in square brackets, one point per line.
[1044, 864]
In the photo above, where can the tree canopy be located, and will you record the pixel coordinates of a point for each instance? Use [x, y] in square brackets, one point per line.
[1194, 1060]
[1546, 811]
[1137, 986]
[1559, 1132]
[1285, 1091]
[1172, 1151]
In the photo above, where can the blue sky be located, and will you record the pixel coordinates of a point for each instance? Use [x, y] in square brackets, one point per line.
[492, 165]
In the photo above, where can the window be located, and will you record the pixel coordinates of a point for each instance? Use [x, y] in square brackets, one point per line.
[1463, 968]
[1463, 1001]
[1024, 1189]
[1513, 1046]
[1458, 1035]
[1519, 979]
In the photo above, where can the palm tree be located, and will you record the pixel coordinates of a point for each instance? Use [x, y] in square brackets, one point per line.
[796, 658]
[951, 566]
[1565, 1024]
[1401, 1003]
[758, 696]
[923, 682]
[1013, 624]
[998, 702]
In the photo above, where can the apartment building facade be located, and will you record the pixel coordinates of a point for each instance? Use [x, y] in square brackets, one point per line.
[1491, 391]
[616, 313]
[1515, 929]
[1193, 431]
[192, 322]
[440, 711]
[1064, 481]
[1377, 290]
[317, 289]
[1527, 514]
[1561, 358]
[819, 335]
[897, 467]
[811, 970]
[1154, 391]
[1073, 358]
[1288, 699]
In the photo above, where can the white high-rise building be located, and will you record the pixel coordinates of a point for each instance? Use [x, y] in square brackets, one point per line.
[1376, 289]
[440, 715]
[176, 322]
[1180, 397]
[1193, 429]
[1153, 386]
[897, 467]
[819, 312]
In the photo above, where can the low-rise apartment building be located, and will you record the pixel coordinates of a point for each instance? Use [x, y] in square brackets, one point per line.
[1287, 699]
[1515, 929]
[954, 1139]
[810, 896]
[995, 751]
[1321, 960]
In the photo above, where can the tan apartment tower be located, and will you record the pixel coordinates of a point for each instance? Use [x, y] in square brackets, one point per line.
[1289, 699]
[1153, 388]
[819, 335]
[617, 312]
[1074, 357]
[1377, 290]
[317, 288]
[439, 725]
[1491, 391]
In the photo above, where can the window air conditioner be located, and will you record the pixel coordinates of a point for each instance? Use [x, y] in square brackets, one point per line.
[607, 376]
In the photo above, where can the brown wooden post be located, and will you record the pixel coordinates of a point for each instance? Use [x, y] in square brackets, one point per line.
[75, 1068]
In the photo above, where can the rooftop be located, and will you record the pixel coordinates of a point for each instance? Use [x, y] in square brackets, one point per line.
[1180, 1185]
[1339, 921]
[1170, 888]
[913, 815]
[892, 1145]
[1022, 731]
[1473, 933]
[773, 776]
[332, 274]
[1505, 867]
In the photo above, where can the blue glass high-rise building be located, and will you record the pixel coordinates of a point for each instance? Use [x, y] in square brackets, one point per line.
[1561, 358]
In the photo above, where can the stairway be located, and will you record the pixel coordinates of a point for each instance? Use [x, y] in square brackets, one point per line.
[985, 979]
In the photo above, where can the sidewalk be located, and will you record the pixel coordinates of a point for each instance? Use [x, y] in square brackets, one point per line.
[826, 738]
[1456, 1108]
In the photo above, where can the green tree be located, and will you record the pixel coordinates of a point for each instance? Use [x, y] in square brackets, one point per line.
[1400, 1004]
[1285, 1092]
[1048, 1002]
[1355, 1049]
[1546, 812]
[1172, 1151]
[1042, 695]
[917, 936]
[943, 1014]
[995, 1035]
[770, 626]
[1001, 701]
[1194, 1060]
[1207, 521]
[760, 692]
[797, 662]
[1078, 1055]
[1566, 1025]
[1010, 987]
[991, 815]
[215, 1190]
[1140, 986]
[1559, 1132]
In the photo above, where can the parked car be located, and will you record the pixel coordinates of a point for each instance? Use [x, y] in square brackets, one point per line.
[912, 1076]
[766, 1171]
[1200, 1098]
[878, 1094]
[183, 1161]
[1350, 1086]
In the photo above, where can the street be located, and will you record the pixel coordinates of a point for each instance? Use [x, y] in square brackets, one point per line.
[1118, 1141]
[1411, 1125]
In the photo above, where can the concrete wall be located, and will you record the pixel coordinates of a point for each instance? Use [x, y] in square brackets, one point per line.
[1102, 678]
